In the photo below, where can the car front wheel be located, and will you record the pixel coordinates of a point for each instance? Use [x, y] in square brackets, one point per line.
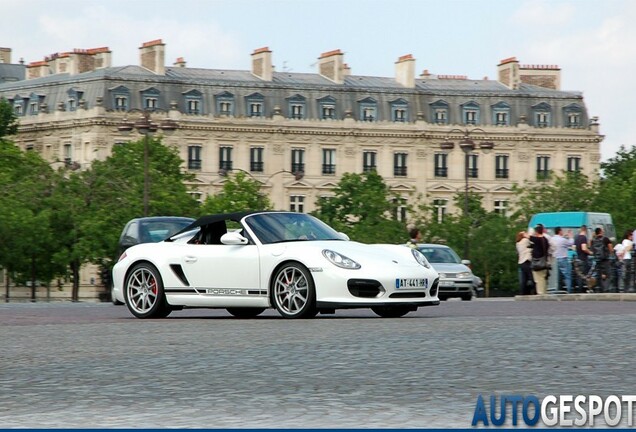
[293, 292]
[390, 311]
[143, 292]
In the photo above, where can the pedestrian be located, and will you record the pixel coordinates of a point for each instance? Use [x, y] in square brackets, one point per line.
[602, 250]
[415, 237]
[582, 263]
[560, 246]
[524, 254]
[628, 269]
[540, 259]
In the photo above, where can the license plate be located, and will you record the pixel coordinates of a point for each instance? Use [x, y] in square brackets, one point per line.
[446, 283]
[411, 283]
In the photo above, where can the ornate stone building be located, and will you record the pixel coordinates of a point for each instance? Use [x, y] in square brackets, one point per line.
[298, 133]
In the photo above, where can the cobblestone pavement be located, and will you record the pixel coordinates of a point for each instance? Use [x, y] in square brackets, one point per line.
[93, 365]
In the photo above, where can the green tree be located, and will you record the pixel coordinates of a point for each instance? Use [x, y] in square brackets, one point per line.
[363, 208]
[240, 193]
[617, 189]
[8, 119]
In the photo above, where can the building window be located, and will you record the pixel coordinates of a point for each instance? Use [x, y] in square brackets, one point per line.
[328, 161]
[74, 96]
[399, 164]
[72, 104]
[399, 110]
[369, 162]
[470, 113]
[68, 153]
[193, 106]
[196, 195]
[399, 212]
[574, 120]
[298, 161]
[327, 108]
[473, 171]
[440, 209]
[542, 115]
[501, 114]
[439, 112]
[225, 158]
[501, 166]
[33, 108]
[574, 163]
[256, 159]
[543, 167]
[255, 105]
[151, 103]
[572, 114]
[121, 103]
[18, 108]
[296, 107]
[368, 109]
[194, 157]
[297, 203]
[225, 104]
[501, 207]
[441, 165]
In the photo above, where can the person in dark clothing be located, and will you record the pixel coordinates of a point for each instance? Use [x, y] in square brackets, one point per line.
[602, 249]
[541, 250]
[524, 253]
[582, 263]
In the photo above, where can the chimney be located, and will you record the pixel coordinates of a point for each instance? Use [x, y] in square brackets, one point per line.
[5, 55]
[508, 72]
[37, 69]
[180, 62]
[86, 60]
[547, 76]
[152, 56]
[331, 66]
[262, 64]
[405, 71]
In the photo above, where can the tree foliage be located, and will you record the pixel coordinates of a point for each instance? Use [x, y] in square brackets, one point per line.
[363, 208]
[240, 193]
[8, 119]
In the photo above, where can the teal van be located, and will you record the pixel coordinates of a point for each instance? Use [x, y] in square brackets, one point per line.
[573, 221]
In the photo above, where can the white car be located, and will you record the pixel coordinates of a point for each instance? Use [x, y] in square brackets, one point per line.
[248, 262]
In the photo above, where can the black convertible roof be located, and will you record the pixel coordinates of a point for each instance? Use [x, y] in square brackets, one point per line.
[210, 219]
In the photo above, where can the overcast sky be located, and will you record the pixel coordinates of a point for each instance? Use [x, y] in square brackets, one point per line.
[594, 42]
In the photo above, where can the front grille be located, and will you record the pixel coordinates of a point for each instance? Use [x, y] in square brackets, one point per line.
[367, 288]
[434, 288]
[408, 294]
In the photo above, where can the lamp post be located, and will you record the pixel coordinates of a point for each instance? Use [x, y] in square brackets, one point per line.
[467, 145]
[146, 127]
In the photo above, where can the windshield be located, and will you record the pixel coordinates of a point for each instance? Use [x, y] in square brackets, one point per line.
[156, 231]
[440, 255]
[284, 227]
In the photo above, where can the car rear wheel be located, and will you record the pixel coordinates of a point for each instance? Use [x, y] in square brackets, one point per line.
[293, 292]
[391, 311]
[467, 297]
[245, 312]
[143, 292]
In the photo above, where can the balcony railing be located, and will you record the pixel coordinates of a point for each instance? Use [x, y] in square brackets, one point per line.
[194, 164]
[501, 173]
[225, 165]
[256, 166]
[297, 167]
[543, 174]
[369, 168]
[399, 171]
[473, 172]
[441, 172]
[328, 169]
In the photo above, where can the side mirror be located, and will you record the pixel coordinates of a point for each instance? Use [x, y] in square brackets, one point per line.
[233, 238]
[466, 263]
[344, 236]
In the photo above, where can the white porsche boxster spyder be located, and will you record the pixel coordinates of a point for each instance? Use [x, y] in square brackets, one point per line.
[248, 262]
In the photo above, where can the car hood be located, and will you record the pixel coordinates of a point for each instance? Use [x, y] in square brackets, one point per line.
[450, 268]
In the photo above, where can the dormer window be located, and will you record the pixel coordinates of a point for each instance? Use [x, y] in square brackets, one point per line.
[121, 103]
[193, 102]
[150, 99]
[33, 108]
[572, 114]
[255, 103]
[151, 103]
[72, 105]
[439, 112]
[225, 104]
[296, 107]
[501, 114]
[470, 113]
[368, 110]
[542, 115]
[327, 108]
[399, 110]
[120, 98]
[74, 96]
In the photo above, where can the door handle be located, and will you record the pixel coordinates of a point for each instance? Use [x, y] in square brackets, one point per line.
[190, 259]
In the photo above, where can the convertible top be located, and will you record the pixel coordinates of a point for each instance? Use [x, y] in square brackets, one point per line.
[211, 219]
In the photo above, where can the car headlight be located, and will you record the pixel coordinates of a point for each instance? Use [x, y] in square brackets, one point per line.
[464, 275]
[420, 258]
[340, 260]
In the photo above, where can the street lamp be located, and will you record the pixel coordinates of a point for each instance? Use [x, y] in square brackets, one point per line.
[467, 145]
[146, 127]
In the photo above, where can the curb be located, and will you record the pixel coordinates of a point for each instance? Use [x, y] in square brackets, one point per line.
[579, 297]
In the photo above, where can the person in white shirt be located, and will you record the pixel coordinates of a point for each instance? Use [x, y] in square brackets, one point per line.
[628, 270]
[560, 246]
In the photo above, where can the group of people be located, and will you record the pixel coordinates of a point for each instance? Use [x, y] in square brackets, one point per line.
[584, 265]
